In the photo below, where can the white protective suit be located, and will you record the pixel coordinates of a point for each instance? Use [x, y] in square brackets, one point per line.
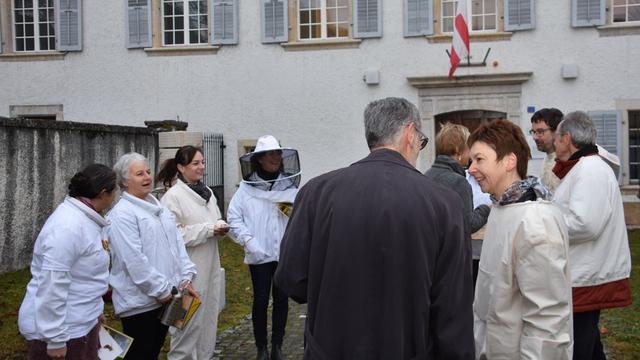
[522, 307]
[196, 219]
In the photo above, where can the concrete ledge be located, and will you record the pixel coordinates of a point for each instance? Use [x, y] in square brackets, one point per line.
[33, 56]
[182, 50]
[478, 37]
[426, 82]
[74, 126]
[322, 45]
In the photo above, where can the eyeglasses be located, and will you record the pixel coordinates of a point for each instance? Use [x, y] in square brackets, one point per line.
[539, 132]
[424, 140]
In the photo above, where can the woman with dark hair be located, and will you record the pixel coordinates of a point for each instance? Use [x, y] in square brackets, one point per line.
[200, 223]
[522, 306]
[61, 312]
[257, 219]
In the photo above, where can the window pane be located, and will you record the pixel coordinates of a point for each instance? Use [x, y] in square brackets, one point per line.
[331, 15]
[633, 154]
[619, 14]
[168, 38]
[331, 3]
[42, 3]
[28, 3]
[179, 37]
[315, 16]
[634, 137]
[304, 32]
[168, 9]
[52, 30]
[19, 44]
[19, 30]
[343, 30]
[42, 15]
[203, 22]
[489, 6]
[28, 16]
[18, 4]
[50, 15]
[304, 4]
[631, 2]
[314, 4]
[343, 15]
[52, 43]
[19, 15]
[343, 3]
[194, 36]
[332, 30]
[179, 23]
[448, 9]
[193, 22]
[193, 7]
[304, 17]
[489, 22]
[43, 43]
[634, 13]
[204, 37]
[476, 23]
[619, 2]
[203, 6]
[30, 44]
[51, 3]
[43, 29]
[447, 25]
[633, 170]
[28, 29]
[168, 23]
[476, 7]
[316, 32]
[178, 9]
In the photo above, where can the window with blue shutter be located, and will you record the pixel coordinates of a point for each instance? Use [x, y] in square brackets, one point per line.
[367, 18]
[608, 128]
[587, 13]
[275, 24]
[418, 17]
[69, 25]
[138, 23]
[519, 15]
[224, 22]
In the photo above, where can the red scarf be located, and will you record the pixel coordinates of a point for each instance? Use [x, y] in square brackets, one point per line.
[562, 168]
[87, 202]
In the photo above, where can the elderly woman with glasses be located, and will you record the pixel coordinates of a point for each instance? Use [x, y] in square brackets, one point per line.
[149, 258]
[271, 175]
[452, 155]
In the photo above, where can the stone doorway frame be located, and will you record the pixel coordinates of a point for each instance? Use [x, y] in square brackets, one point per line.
[493, 92]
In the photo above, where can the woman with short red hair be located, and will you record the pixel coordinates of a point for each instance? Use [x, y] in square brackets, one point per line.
[522, 307]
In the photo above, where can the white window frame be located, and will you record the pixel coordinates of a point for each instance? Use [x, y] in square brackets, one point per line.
[185, 21]
[36, 27]
[470, 16]
[626, 7]
[323, 20]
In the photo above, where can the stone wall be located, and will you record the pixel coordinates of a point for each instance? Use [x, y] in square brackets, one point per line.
[37, 160]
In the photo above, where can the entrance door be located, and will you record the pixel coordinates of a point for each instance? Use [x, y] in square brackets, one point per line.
[468, 118]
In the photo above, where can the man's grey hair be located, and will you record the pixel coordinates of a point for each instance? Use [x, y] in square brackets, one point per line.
[581, 128]
[384, 118]
[122, 167]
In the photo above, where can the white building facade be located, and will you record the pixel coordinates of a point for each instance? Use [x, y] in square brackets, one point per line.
[304, 70]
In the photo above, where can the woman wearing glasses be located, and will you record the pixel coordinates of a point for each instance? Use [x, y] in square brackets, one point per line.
[258, 217]
[452, 155]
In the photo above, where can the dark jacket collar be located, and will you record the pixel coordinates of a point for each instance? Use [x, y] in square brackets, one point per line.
[448, 163]
[387, 155]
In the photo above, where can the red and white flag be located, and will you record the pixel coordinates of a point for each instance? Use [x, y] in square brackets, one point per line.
[460, 42]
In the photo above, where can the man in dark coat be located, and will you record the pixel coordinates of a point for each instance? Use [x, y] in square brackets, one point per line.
[378, 252]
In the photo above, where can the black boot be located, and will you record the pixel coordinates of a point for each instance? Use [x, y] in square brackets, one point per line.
[262, 354]
[276, 352]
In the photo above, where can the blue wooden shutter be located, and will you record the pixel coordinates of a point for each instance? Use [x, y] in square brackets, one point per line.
[587, 13]
[418, 17]
[138, 23]
[224, 22]
[275, 21]
[367, 18]
[69, 25]
[519, 15]
[608, 127]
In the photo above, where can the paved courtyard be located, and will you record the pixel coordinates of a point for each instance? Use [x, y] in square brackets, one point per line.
[237, 343]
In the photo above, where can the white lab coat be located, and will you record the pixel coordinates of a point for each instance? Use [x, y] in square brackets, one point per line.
[254, 216]
[70, 273]
[148, 255]
[522, 307]
[196, 219]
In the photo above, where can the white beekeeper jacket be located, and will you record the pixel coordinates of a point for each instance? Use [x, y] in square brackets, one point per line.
[522, 307]
[70, 273]
[590, 200]
[254, 216]
[148, 254]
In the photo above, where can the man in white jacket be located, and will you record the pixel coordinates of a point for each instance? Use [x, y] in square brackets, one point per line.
[590, 200]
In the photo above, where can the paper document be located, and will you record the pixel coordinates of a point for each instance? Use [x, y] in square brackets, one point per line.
[113, 343]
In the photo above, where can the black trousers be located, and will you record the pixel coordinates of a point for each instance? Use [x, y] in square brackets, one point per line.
[148, 334]
[586, 335]
[262, 279]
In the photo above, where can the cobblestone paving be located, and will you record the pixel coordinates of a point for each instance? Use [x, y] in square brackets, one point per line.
[237, 343]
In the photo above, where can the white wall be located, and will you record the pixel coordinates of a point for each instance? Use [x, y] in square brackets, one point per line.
[310, 100]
